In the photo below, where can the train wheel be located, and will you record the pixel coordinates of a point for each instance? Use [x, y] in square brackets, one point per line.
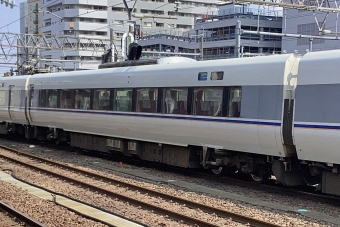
[261, 175]
[218, 171]
[257, 179]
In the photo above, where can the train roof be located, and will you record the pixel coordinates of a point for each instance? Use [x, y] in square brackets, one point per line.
[321, 67]
[166, 60]
[266, 70]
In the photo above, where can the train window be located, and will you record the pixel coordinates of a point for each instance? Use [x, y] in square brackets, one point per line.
[122, 100]
[175, 100]
[147, 100]
[101, 99]
[207, 101]
[43, 98]
[234, 102]
[32, 96]
[52, 98]
[217, 75]
[67, 99]
[82, 99]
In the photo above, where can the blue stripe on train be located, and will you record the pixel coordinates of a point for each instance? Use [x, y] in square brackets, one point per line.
[178, 117]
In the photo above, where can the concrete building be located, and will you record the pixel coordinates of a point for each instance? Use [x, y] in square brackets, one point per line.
[80, 18]
[218, 30]
[303, 22]
[31, 21]
[23, 16]
[185, 13]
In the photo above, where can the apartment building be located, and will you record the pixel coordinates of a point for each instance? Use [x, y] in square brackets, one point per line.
[303, 22]
[31, 22]
[75, 18]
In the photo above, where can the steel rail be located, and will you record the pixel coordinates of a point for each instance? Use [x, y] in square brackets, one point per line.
[22, 217]
[208, 209]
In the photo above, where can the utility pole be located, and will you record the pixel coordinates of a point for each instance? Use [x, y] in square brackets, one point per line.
[310, 44]
[238, 39]
[127, 9]
[112, 46]
[201, 45]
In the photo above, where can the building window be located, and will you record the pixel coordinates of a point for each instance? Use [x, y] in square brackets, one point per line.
[308, 29]
[119, 22]
[147, 24]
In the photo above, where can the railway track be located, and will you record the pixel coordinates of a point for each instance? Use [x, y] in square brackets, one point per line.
[175, 215]
[20, 216]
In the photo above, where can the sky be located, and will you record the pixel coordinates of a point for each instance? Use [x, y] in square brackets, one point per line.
[8, 15]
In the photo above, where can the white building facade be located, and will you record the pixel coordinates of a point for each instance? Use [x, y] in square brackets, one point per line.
[31, 21]
[75, 18]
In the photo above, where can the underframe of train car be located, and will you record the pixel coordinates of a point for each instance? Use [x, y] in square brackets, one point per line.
[287, 171]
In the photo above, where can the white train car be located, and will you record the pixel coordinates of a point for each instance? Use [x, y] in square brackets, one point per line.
[266, 115]
[213, 113]
[317, 117]
[13, 93]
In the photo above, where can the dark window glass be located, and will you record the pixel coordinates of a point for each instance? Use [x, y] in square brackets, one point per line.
[147, 100]
[52, 98]
[82, 99]
[122, 100]
[207, 101]
[42, 98]
[234, 103]
[175, 100]
[67, 99]
[101, 99]
[216, 76]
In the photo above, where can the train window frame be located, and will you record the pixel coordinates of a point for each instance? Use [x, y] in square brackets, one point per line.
[55, 102]
[67, 100]
[102, 102]
[119, 104]
[146, 104]
[237, 97]
[198, 105]
[178, 106]
[218, 75]
[82, 99]
[42, 98]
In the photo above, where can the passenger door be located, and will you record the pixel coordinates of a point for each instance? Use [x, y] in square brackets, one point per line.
[10, 102]
[30, 101]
